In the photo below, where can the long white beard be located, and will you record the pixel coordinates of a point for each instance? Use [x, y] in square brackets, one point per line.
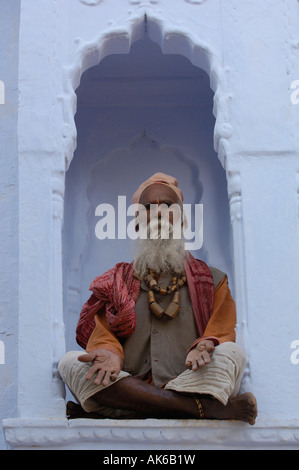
[159, 254]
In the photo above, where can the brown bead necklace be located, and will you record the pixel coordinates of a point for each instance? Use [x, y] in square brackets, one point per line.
[178, 280]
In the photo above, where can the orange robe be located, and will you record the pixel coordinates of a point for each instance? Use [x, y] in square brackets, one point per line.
[220, 328]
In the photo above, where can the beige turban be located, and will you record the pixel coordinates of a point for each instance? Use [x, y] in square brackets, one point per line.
[158, 178]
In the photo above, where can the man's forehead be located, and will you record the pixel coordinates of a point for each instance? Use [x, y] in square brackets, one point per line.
[158, 191]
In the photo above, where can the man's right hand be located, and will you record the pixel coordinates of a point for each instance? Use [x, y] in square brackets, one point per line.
[106, 365]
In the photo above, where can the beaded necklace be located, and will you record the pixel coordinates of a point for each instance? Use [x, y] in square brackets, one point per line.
[178, 280]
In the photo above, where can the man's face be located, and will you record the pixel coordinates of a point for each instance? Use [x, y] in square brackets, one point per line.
[161, 241]
[161, 202]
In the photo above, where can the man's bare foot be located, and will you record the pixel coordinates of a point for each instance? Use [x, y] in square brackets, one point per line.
[242, 408]
[74, 410]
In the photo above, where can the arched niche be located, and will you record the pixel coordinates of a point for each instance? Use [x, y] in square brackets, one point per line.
[138, 112]
[62, 209]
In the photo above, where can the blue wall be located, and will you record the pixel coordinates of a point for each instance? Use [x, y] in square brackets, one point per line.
[9, 45]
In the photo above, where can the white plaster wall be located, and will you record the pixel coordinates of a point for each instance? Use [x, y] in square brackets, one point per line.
[9, 32]
[250, 51]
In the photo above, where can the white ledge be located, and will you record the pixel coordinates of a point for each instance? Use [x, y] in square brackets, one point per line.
[149, 434]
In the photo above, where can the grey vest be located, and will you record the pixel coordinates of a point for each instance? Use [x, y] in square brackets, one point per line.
[161, 345]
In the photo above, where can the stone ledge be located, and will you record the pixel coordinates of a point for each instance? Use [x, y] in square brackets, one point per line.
[149, 434]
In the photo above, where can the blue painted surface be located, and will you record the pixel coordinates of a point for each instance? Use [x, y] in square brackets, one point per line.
[9, 31]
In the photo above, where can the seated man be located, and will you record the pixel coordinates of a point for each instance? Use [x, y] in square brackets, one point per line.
[159, 333]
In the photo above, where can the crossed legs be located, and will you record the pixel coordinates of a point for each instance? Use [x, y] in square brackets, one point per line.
[150, 401]
[211, 392]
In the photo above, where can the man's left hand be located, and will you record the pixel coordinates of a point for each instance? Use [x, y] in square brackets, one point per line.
[200, 355]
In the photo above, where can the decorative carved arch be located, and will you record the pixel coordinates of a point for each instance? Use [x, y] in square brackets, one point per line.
[171, 41]
[190, 45]
[181, 41]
